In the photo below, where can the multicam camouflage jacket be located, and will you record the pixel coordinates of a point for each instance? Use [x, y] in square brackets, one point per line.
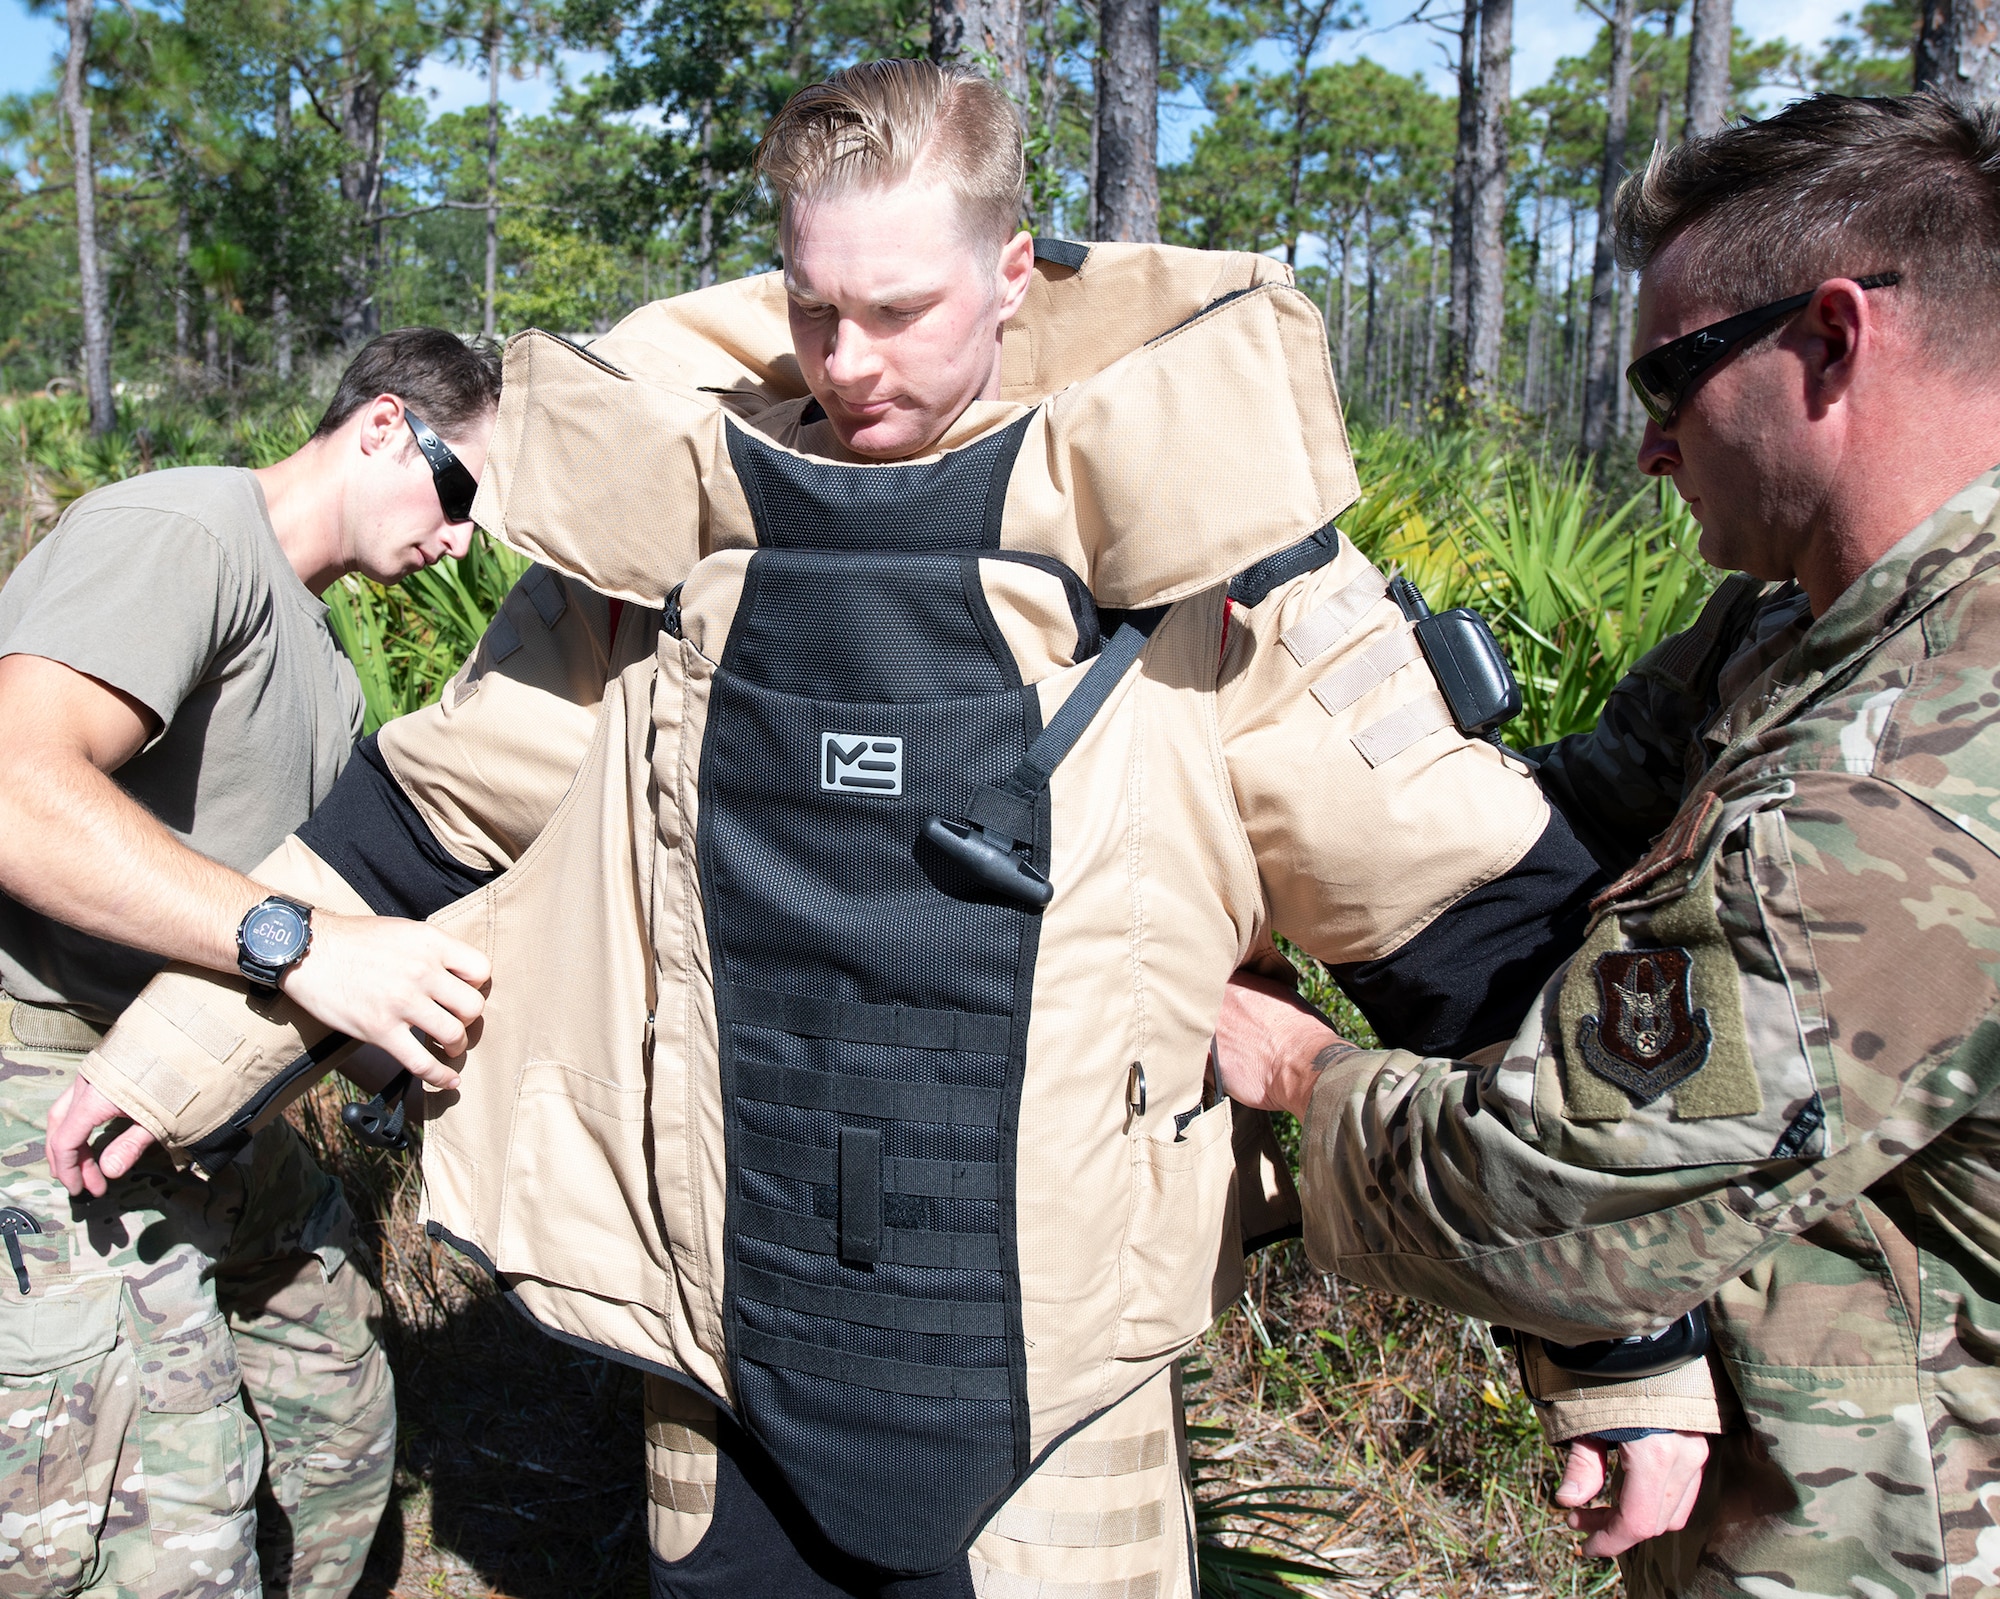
[1769, 1080]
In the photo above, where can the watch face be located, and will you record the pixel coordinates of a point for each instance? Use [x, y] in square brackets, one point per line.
[275, 935]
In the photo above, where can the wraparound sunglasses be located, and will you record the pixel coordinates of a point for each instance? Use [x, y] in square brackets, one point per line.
[1662, 378]
[455, 485]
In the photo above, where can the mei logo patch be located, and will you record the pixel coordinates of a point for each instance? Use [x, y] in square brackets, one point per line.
[860, 763]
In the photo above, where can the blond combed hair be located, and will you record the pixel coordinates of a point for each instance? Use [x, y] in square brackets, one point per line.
[883, 123]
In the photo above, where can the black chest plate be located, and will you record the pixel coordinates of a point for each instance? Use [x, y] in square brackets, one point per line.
[872, 1000]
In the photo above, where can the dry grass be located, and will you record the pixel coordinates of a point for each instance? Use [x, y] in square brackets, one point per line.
[1400, 1428]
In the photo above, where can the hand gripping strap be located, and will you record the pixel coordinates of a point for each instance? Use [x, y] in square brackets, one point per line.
[1001, 818]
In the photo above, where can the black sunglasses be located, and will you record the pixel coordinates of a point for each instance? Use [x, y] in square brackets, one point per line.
[1662, 378]
[455, 485]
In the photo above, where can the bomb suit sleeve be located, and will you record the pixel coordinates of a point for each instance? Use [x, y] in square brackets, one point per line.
[436, 804]
[1425, 868]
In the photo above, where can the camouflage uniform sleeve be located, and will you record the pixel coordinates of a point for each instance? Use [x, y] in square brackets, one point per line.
[1792, 996]
[441, 802]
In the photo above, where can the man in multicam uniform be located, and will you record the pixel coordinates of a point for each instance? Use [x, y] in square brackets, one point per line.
[192, 1399]
[1770, 1080]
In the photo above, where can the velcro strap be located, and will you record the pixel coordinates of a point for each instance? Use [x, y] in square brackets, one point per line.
[942, 1317]
[1328, 625]
[679, 1437]
[546, 595]
[173, 1000]
[900, 1246]
[1401, 728]
[147, 1072]
[860, 1195]
[502, 639]
[1344, 685]
[1080, 1529]
[679, 1495]
[868, 1096]
[874, 1371]
[932, 1179]
[1002, 811]
[44, 1027]
[1107, 1457]
[992, 1584]
[899, 1026]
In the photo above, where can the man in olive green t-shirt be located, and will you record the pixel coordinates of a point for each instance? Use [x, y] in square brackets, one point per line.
[210, 1410]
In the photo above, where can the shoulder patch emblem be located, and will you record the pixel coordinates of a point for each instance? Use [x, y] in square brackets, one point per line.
[1646, 1036]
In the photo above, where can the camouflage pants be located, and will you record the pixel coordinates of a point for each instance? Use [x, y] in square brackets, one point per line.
[192, 1400]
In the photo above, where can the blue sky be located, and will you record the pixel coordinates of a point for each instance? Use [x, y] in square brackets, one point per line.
[1544, 30]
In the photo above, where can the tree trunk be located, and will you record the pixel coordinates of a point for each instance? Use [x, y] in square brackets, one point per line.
[1958, 50]
[1430, 326]
[360, 190]
[1346, 297]
[1711, 33]
[990, 36]
[181, 292]
[1049, 220]
[1663, 102]
[1487, 296]
[492, 159]
[1464, 165]
[1128, 127]
[89, 267]
[211, 339]
[281, 209]
[1601, 354]
[705, 243]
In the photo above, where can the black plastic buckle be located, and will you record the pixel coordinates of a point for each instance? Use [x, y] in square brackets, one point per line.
[990, 857]
[14, 1222]
[379, 1122]
[1647, 1356]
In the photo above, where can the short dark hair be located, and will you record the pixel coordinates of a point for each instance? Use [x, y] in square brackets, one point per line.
[1836, 186]
[448, 381]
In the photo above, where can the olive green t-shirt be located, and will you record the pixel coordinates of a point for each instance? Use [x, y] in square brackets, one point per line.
[172, 587]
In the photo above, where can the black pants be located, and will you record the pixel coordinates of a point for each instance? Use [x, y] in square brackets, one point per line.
[761, 1543]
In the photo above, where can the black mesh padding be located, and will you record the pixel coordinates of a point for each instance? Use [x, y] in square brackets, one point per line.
[826, 893]
[866, 628]
[951, 503]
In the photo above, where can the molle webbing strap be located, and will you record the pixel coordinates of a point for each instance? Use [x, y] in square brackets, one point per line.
[1007, 1585]
[934, 1179]
[1316, 634]
[901, 1026]
[1080, 1529]
[900, 1246]
[1009, 808]
[895, 1312]
[869, 1096]
[875, 1371]
[1107, 1457]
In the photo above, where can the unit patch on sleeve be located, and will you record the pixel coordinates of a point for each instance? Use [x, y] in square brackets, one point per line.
[1646, 1035]
[1651, 1007]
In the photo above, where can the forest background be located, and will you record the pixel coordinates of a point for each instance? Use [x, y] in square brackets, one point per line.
[215, 200]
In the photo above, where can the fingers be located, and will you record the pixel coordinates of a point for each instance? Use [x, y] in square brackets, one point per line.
[123, 1152]
[408, 1051]
[465, 962]
[1659, 1481]
[1583, 1474]
[73, 1119]
[66, 1145]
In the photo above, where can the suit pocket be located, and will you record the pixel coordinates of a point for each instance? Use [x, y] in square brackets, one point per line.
[1182, 1260]
[69, 1400]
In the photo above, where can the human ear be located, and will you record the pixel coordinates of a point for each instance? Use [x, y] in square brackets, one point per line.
[1014, 271]
[1839, 329]
[382, 426]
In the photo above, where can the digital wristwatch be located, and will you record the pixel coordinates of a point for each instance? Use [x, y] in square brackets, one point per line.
[272, 938]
